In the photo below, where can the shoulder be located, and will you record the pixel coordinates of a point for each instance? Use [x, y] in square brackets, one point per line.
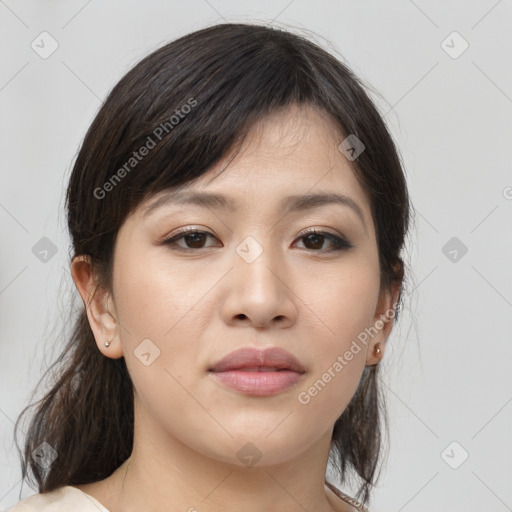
[356, 506]
[62, 499]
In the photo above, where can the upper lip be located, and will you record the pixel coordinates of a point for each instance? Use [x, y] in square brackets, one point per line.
[273, 357]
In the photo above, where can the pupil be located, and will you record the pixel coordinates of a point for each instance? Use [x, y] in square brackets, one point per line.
[315, 239]
[196, 238]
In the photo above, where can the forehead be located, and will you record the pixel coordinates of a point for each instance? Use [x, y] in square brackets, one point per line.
[295, 147]
[289, 161]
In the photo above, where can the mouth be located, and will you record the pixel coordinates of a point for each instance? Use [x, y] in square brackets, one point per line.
[261, 369]
[252, 359]
[258, 372]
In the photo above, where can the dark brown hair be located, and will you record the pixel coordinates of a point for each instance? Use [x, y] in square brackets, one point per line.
[196, 99]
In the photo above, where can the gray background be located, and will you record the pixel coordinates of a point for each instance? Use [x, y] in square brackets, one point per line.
[447, 372]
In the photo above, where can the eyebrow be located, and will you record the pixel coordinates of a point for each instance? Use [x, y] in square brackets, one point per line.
[289, 204]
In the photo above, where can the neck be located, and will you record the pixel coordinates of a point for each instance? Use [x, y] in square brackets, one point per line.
[163, 474]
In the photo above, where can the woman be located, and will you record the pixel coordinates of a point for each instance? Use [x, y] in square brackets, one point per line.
[237, 212]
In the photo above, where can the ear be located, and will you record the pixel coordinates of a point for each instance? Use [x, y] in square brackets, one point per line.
[382, 323]
[99, 307]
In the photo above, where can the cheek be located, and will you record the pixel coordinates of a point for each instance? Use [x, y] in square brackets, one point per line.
[346, 301]
[157, 302]
[153, 296]
[345, 308]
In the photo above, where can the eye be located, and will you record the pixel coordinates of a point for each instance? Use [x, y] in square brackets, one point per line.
[315, 240]
[192, 238]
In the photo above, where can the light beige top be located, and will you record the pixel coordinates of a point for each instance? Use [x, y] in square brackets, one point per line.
[68, 498]
[63, 499]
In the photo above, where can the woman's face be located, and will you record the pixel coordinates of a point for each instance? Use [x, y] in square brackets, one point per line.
[254, 277]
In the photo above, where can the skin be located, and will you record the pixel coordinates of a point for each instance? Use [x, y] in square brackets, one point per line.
[200, 305]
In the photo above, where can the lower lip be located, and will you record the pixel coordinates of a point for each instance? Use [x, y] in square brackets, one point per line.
[258, 383]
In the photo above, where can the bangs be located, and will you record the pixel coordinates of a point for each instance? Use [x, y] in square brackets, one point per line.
[186, 106]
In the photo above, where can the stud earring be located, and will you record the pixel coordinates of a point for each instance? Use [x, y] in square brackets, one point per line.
[377, 349]
[107, 343]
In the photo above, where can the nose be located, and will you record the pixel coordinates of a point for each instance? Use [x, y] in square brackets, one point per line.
[260, 293]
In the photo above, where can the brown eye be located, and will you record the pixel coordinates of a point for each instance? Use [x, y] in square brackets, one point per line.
[315, 240]
[192, 238]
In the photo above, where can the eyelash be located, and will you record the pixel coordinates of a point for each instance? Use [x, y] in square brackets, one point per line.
[339, 243]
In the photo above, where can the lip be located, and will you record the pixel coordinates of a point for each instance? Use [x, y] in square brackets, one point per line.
[248, 357]
[258, 372]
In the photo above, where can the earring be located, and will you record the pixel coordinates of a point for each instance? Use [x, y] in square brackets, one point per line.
[377, 349]
[107, 343]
